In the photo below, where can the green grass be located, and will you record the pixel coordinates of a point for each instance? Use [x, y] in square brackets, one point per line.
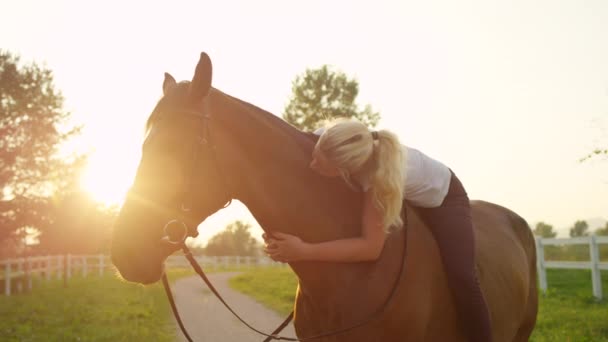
[107, 309]
[88, 309]
[274, 287]
[568, 312]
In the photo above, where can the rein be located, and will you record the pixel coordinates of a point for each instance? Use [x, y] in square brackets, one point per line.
[178, 239]
[274, 335]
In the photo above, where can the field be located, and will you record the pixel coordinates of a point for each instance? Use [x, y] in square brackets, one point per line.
[567, 312]
[88, 309]
[106, 309]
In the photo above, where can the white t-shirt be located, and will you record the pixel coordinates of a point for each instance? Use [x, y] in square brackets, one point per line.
[426, 180]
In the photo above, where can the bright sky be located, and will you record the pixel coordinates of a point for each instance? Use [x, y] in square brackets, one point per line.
[510, 95]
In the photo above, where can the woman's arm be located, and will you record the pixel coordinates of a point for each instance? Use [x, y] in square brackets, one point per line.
[287, 247]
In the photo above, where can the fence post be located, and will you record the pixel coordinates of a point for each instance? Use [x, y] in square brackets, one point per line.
[67, 269]
[20, 275]
[69, 266]
[29, 274]
[101, 265]
[84, 266]
[48, 260]
[60, 266]
[596, 278]
[7, 277]
[540, 262]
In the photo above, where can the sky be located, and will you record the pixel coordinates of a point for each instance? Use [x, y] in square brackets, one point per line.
[509, 94]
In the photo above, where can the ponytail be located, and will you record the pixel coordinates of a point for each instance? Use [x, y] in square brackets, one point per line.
[387, 181]
[353, 149]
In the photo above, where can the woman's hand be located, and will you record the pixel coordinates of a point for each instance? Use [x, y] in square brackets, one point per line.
[284, 247]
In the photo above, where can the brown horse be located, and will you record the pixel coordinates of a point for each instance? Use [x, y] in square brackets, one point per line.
[204, 148]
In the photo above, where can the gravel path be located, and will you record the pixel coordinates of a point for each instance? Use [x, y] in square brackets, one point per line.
[207, 320]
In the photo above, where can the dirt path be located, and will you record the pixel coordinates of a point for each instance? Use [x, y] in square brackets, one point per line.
[207, 320]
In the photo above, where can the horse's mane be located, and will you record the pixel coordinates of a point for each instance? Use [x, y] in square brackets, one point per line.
[271, 122]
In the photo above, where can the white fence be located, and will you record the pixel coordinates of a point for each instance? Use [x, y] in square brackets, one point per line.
[17, 274]
[594, 264]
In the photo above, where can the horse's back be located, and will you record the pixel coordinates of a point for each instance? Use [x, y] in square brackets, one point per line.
[506, 261]
[422, 308]
[505, 255]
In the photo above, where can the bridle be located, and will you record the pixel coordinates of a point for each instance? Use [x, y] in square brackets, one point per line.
[205, 142]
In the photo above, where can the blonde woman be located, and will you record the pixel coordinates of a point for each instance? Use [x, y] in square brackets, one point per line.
[388, 173]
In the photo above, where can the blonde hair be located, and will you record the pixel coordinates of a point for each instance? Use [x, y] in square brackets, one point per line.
[351, 147]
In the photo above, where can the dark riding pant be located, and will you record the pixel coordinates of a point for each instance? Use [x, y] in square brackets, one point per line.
[452, 226]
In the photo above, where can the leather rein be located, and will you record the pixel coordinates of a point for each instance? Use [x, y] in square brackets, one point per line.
[183, 233]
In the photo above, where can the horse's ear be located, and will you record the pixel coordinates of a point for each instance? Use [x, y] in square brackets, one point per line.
[201, 82]
[168, 83]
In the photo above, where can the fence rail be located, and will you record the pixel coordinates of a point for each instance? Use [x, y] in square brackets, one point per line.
[17, 274]
[594, 264]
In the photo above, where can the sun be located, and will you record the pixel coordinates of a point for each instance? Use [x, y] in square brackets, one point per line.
[107, 179]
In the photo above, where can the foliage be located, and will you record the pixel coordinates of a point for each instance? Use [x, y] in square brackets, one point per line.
[324, 94]
[33, 125]
[595, 153]
[234, 240]
[80, 226]
[580, 229]
[544, 230]
[602, 231]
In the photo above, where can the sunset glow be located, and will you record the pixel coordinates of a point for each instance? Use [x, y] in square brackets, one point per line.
[105, 181]
[509, 97]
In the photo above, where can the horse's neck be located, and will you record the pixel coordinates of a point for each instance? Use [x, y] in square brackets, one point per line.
[285, 196]
[269, 168]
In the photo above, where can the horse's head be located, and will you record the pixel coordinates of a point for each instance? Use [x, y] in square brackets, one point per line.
[178, 181]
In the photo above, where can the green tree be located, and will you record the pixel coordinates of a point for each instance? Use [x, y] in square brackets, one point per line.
[234, 240]
[75, 223]
[602, 231]
[79, 226]
[544, 230]
[33, 125]
[323, 94]
[580, 229]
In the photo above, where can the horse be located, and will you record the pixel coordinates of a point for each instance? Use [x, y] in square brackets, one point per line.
[204, 148]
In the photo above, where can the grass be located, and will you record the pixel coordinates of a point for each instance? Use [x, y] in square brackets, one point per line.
[272, 286]
[88, 309]
[568, 312]
[107, 309]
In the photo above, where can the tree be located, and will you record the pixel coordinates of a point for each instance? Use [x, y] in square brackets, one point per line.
[602, 231]
[544, 230]
[33, 125]
[323, 94]
[580, 229]
[80, 226]
[234, 240]
[75, 223]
